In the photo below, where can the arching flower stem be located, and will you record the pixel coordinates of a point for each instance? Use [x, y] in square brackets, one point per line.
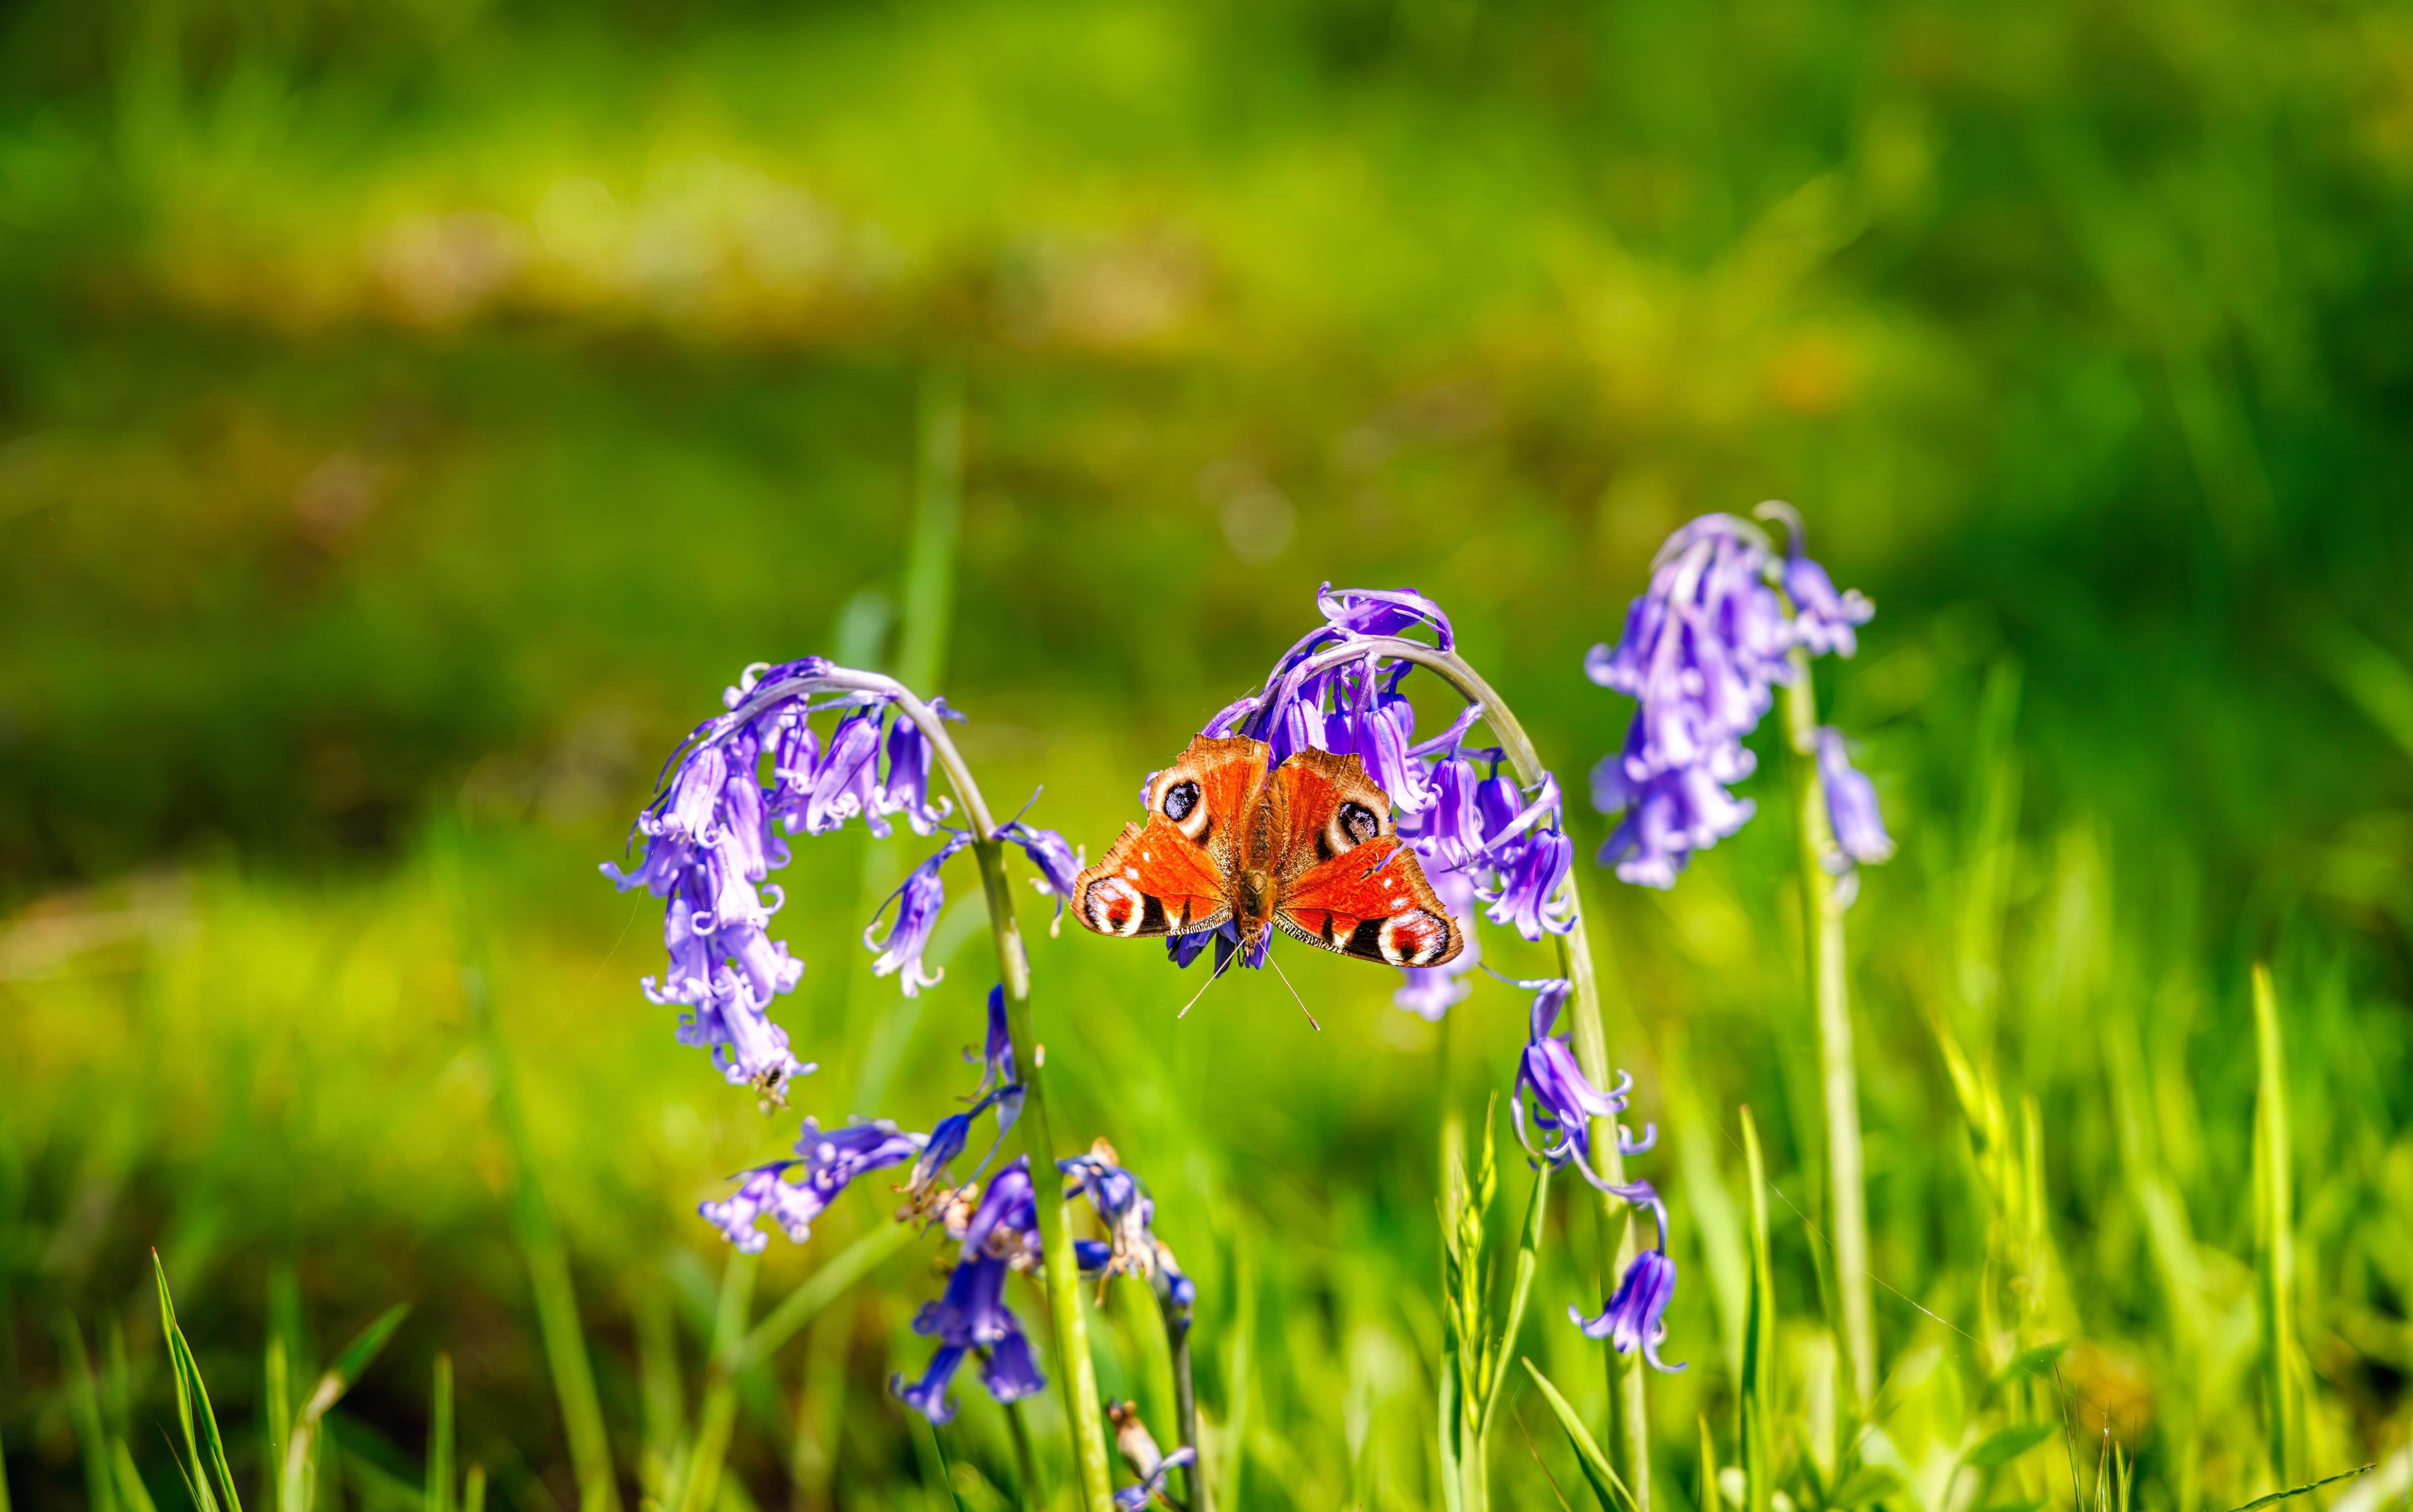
[1824, 898]
[1630, 1422]
[1064, 1303]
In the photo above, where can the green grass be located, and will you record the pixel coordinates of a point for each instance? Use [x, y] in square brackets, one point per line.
[411, 415]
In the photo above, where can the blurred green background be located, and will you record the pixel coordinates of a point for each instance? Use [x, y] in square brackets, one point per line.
[414, 412]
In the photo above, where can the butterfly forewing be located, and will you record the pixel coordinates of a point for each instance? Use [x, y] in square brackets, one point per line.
[1175, 874]
[1343, 881]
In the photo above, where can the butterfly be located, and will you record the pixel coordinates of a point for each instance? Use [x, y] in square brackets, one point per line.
[1306, 847]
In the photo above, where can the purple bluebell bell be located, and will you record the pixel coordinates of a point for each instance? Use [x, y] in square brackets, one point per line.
[714, 832]
[826, 1162]
[1151, 1485]
[1564, 1101]
[997, 1079]
[918, 899]
[1383, 612]
[1635, 1317]
[1057, 863]
[847, 785]
[904, 787]
[1702, 651]
[1378, 726]
[999, 1236]
[1851, 806]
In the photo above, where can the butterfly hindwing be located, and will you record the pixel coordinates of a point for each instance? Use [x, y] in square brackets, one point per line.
[1344, 882]
[1174, 874]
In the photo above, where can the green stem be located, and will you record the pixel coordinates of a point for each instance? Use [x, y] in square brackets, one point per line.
[1063, 1276]
[1822, 928]
[1185, 1403]
[1630, 1413]
[1033, 1495]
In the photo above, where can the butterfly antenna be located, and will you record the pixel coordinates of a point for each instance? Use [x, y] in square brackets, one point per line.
[1220, 967]
[1294, 991]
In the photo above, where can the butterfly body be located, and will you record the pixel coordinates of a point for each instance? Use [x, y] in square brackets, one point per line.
[1306, 847]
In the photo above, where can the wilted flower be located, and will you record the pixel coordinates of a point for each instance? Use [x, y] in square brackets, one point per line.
[1121, 1205]
[1702, 650]
[714, 833]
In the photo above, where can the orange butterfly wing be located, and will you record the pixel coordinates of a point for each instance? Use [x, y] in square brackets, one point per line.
[1343, 882]
[1175, 874]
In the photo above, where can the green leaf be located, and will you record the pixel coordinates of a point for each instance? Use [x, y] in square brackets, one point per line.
[1867, 1484]
[1606, 1486]
[364, 1349]
[212, 1481]
[2005, 1445]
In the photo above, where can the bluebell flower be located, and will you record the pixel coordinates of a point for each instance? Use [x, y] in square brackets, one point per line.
[1530, 894]
[714, 832]
[918, 899]
[1851, 804]
[905, 787]
[1635, 1317]
[999, 1236]
[1564, 1101]
[847, 785]
[1057, 863]
[1702, 651]
[826, 1162]
[1383, 612]
[1151, 1485]
[1379, 727]
[997, 1079]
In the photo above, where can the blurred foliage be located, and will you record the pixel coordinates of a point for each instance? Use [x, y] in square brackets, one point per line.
[412, 412]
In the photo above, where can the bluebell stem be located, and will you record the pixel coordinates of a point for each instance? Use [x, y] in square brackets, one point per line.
[1486, 821]
[1724, 621]
[714, 833]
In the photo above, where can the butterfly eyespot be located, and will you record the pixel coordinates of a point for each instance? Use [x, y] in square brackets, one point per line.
[1413, 938]
[1181, 798]
[1359, 822]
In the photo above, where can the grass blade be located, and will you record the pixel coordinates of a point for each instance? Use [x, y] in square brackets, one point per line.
[824, 1286]
[2274, 1248]
[212, 1481]
[548, 1262]
[1753, 1395]
[299, 1484]
[473, 1489]
[275, 1421]
[131, 1493]
[1529, 1252]
[1602, 1476]
[2298, 1490]
[440, 1439]
[84, 1406]
[1707, 1501]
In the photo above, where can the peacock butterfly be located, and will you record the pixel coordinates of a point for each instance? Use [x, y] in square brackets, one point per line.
[1307, 847]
